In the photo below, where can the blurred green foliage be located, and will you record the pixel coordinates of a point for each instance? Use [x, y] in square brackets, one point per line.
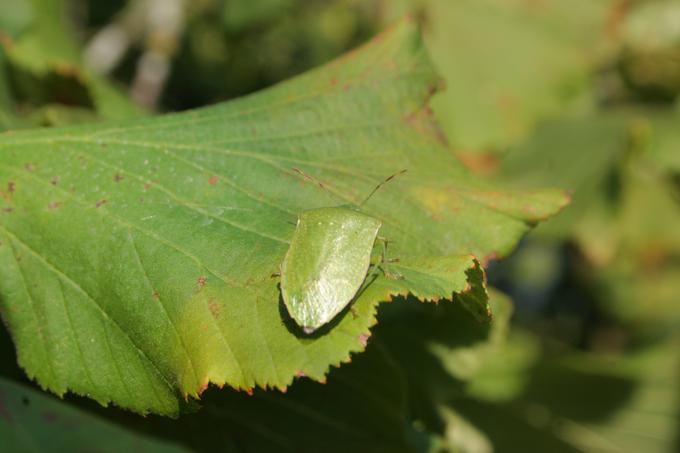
[575, 94]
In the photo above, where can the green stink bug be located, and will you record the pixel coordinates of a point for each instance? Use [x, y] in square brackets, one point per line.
[327, 262]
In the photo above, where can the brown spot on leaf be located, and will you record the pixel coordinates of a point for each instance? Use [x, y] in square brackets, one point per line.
[422, 119]
[653, 257]
[213, 180]
[29, 167]
[155, 296]
[8, 210]
[117, 177]
[616, 17]
[54, 205]
[6, 41]
[308, 178]
[529, 211]
[101, 203]
[493, 256]
[300, 373]
[11, 187]
[202, 280]
[55, 180]
[436, 201]
[480, 163]
[363, 339]
[249, 391]
[214, 307]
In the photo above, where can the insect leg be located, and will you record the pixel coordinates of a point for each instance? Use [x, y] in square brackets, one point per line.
[384, 260]
[276, 274]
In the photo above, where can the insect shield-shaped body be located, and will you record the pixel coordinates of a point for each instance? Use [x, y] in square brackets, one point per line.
[327, 262]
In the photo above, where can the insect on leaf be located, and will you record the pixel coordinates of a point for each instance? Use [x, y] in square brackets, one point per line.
[326, 263]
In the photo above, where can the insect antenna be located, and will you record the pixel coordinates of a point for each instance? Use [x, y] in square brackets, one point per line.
[313, 180]
[388, 179]
[212, 206]
[306, 177]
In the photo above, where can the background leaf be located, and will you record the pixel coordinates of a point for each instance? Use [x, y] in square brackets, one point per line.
[46, 59]
[604, 404]
[31, 420]
[508, 64]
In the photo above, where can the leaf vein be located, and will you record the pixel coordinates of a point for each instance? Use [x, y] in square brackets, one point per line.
[35, 313]
[80, 289]
[75, 336]
[138, 259]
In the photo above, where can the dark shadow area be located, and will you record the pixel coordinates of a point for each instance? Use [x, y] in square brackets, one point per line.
[362, 408]
[59, 86]
[408, 328]
[509, 428]
[8, 358]
[555, 393]
[586, 395]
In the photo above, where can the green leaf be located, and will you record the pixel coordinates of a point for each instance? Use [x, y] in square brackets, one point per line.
[432, 278]
[136, 257]
[61, 115]
[46, 51]
[579, 153]
[32, 421]
[579, 402]
[461, 436]
[15, 17]
[504, 372]
[640, 286]
[508, 64]
[625, 216]
[663, 136]
[240, 14]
